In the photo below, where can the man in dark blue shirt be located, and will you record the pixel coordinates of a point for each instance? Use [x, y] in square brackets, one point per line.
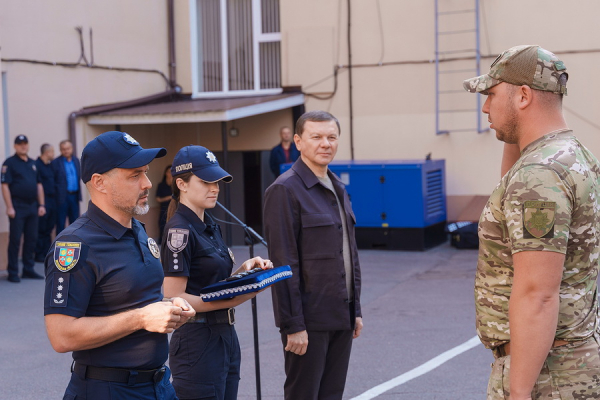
[103, 297]
[47, 222]
[284, 152]
[24, 198]
[67, 170]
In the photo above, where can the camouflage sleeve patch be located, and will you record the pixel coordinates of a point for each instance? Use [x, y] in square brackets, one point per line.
[537, 209]
[538, 219]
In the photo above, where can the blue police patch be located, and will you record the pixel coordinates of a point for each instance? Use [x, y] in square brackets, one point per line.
[66, 255]
[60, 289]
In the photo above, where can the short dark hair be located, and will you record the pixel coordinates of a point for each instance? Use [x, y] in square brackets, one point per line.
[65, 141]
[315, 116]
[44, 147]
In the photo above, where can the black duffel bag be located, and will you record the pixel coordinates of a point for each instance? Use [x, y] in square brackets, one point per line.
[463, 235]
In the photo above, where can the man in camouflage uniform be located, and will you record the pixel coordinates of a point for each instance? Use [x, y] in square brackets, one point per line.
[535, 288]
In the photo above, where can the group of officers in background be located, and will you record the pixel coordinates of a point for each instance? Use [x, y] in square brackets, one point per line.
[39, 196]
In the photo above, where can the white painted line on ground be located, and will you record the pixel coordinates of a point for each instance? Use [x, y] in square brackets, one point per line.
[418, 371]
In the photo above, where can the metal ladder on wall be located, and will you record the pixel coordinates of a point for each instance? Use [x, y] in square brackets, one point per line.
[450, 56]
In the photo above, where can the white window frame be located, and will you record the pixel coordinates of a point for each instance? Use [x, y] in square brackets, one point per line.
[258, 37]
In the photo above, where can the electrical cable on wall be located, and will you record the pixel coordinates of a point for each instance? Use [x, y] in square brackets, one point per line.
[83, 62]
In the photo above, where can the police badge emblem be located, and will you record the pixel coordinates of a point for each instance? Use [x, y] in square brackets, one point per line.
[153, 248]
[538, 219]
[211, 157]
[177, 239]
[129, 139]
[66, 255]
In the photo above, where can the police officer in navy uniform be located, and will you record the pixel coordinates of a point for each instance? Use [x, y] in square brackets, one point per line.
[205, 353]
[47, 222]
[24, 198]
[103, 297]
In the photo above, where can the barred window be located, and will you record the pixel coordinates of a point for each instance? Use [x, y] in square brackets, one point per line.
[236, 47]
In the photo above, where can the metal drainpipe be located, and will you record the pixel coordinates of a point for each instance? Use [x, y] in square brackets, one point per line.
[350, 85]
[171, 28]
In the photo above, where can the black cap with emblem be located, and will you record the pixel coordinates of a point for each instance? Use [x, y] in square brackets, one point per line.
[115, 149]
[202, 162]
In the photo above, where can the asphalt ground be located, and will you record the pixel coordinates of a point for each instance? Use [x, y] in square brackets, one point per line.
[416, 306]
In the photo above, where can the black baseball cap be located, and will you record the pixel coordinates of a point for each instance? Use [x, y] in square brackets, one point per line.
[115, 149]
[202, 162]
[21, 139]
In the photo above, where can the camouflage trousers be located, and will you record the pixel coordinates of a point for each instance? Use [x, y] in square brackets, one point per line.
[570, 372]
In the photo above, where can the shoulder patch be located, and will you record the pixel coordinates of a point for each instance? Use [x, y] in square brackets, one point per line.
[538, 219]
[177, 239]
[4, 169]
[60, 290]
[66, 255]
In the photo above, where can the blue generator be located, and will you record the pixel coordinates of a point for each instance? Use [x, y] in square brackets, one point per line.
[399, 205]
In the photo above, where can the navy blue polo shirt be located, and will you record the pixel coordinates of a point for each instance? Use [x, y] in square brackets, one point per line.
[195, 249]
[46, 174]
[98, 267]
[22, 178]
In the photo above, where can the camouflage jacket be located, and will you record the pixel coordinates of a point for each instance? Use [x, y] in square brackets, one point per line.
[548, 201]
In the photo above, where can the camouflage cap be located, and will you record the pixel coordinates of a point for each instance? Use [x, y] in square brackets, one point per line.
[528, 65]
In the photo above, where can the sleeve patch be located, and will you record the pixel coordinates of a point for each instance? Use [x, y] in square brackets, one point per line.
[66, 255]
[60, 290]
[538, 219]
[177, 239]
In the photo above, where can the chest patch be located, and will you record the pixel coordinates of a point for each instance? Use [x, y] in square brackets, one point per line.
[153, 248]
[177, 239]
[538, 219]
[66, 255]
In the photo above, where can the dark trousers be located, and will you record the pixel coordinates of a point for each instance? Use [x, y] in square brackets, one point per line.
[45, 226]
[205, 360]
[25, 223]
[320, 374]
[68, 209]
[93, 389]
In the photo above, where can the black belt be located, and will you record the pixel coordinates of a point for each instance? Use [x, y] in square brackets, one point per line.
[129, 376]
[215, 317]
[75, 192]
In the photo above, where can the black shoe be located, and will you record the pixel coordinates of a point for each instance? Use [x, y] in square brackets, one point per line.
[14, 279]
[31, 275]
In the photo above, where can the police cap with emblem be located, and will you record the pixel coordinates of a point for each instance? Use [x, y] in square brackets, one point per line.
[115, 149]
[21, 139]
[202, 162]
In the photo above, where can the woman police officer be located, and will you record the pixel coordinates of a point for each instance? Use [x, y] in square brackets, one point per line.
[204, 354]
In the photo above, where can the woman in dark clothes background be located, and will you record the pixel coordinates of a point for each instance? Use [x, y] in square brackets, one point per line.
[163, 196]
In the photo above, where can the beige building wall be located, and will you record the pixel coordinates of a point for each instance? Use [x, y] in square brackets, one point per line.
[128, 34]
[394, 106]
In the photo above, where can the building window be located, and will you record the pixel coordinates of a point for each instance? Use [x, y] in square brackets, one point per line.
[236, 47]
